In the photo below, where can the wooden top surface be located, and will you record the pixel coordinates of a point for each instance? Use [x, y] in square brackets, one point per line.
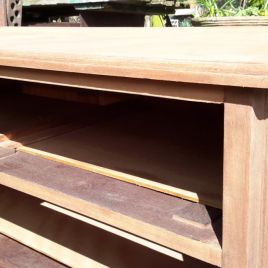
[225, 56]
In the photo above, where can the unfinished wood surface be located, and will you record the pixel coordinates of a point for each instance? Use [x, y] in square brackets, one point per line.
[245, 241]
[3, 15]
[4, 152]
[69, 94]
[264, 209]
[175, 148]
[75, 242]
[144, 87]
[143, 212]
[195, 55]
[14, 254]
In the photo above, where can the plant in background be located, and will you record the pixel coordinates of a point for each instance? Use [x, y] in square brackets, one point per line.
[214, 8]
[261, 5]
[209, 8]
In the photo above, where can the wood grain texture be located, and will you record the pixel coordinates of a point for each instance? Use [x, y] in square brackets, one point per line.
[3, 15]
[71, 95]
[14, 254]
[195, 55]
[245, 179]
[137, 210]
[74, 242]
[4, 152]
[134, 86]
[264, 208]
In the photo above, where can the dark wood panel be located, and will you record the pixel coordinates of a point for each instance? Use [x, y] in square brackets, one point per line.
[141, 211]
[14, 254]
[72, 241]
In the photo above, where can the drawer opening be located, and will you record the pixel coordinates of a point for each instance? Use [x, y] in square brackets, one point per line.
[171, 146]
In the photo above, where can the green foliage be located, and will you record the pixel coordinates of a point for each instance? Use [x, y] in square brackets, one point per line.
[210, 7]
[213, 8]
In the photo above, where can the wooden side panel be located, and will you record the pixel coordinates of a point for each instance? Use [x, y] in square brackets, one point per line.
[245, 179]
[3, 18]
[264, 227]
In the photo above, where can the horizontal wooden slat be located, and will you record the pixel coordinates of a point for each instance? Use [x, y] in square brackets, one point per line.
[140, 211]
[75, 242]
[195, 55]
[134, 86]
[115, 231]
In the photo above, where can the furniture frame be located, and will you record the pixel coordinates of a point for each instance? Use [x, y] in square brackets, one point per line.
[203, 70]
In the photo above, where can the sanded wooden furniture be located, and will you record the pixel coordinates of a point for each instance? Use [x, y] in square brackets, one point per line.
[157, 137]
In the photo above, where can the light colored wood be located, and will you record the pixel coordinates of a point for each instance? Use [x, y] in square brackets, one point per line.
[3, 15]
[35, 220]
[245, 179]
[68, 94]
[194, 55]
[144, 87]
[208, 252]
[263, 225]
[84, 245]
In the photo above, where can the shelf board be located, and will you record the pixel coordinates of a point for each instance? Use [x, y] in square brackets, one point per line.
[14, 254]
[34, 223]
[4, 152]
[140, 211]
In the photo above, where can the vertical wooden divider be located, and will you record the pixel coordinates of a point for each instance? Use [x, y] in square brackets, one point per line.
[3, 13]
[245, 201]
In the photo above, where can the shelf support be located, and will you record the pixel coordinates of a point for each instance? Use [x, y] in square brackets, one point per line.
[3, 14]
[245, 202]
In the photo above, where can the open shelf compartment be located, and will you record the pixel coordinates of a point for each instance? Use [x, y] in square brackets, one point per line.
[92, 159]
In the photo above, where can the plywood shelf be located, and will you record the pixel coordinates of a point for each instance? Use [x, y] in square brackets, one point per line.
[143, 212]
[14, 254]
[74, 242]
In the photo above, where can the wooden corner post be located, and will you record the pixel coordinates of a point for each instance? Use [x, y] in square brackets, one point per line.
[3, 13]
[245, 201]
